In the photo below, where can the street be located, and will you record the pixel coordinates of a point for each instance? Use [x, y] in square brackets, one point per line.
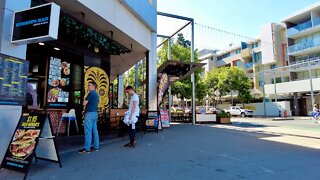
[247, 149]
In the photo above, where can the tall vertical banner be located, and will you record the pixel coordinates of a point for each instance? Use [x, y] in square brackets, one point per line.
[163, 85]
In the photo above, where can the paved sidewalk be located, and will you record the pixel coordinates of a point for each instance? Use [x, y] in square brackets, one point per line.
[243, 150]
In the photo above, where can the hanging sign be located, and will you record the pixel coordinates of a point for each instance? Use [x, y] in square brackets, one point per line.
[37, 24]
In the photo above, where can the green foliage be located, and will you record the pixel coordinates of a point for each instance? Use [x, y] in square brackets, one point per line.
[180, 51]
[141, 91]
[75, 31]
[227, 79]
[223, 115]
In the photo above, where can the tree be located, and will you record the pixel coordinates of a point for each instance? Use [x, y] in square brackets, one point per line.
[227, 79]
[180, 51]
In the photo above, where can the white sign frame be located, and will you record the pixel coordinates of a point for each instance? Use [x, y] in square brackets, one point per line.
[53, 26]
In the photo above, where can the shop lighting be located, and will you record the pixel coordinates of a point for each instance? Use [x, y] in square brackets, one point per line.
[41, 43]
[57, 49]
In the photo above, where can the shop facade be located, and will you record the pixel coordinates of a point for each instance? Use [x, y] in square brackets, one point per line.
[97, 41]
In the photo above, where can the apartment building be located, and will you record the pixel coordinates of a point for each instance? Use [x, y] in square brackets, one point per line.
[254, 57]
[283, 63]
[303, 39]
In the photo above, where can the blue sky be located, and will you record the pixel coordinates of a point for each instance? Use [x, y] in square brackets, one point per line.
[243, 17]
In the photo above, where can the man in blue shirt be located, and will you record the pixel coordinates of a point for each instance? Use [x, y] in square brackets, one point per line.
[90, 119]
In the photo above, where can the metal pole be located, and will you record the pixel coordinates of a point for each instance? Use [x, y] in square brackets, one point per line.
[264, 97]
[231, 98]
[275, 87]
[192, 75]
[311, 85]
[127, 85]
[170, 95]
[137, 77]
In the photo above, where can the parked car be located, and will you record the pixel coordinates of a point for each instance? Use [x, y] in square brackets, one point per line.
[216, 110]
[239, 111]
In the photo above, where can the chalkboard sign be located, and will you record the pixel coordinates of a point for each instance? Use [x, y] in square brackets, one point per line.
[13, 80]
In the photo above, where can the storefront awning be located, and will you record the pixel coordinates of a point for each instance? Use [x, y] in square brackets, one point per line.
[177, 70]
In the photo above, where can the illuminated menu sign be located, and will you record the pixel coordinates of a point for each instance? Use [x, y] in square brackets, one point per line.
[13, 80]
[58, 83]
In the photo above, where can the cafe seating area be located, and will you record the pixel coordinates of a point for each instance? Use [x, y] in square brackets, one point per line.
[181, 117]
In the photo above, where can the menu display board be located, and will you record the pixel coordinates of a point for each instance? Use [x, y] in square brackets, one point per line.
[24, 142]
[58, 83]
[164, 114]
[13, 80]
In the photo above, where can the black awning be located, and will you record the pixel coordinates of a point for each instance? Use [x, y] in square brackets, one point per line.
[177, 70]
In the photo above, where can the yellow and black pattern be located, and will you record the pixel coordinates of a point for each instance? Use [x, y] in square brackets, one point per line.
[101, 78]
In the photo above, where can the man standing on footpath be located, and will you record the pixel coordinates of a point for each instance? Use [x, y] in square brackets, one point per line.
[133, 111]
[90, 119]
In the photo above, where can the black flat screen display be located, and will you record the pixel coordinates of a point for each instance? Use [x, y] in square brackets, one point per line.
[32, 23]
[13, 80]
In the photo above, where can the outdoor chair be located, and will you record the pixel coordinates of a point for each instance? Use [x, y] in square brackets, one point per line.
[71, 116]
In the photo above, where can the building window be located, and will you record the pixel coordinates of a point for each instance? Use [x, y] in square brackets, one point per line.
[260, 83]
[223, 56]
[257, 57]
[273, 66]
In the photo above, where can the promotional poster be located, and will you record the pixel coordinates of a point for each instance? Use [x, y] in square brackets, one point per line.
[24, 141]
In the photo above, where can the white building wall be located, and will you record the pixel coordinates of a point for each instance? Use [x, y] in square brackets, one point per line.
[118, 15]
[9, 115]
[293, 86]
[267, 49]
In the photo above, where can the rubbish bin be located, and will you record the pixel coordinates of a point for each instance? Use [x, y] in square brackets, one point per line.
[285, 113]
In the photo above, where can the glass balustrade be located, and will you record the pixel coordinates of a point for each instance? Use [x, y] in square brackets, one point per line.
[298, 28]
[304, 45]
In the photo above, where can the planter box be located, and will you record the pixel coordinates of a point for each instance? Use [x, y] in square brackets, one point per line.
[224, 121]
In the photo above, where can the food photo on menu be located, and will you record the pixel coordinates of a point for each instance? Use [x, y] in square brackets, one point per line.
[23, 142]
[65, 68]
[58, 81]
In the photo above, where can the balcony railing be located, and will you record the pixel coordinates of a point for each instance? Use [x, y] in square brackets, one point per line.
[316, 21]
[249, 65]
[298, 28]
[304, 45]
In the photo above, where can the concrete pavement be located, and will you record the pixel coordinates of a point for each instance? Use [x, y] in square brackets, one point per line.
[246, 149]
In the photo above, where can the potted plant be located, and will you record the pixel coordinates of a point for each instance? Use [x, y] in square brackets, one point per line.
[223, 118]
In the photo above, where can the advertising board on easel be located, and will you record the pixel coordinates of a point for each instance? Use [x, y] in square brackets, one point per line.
[31, 138]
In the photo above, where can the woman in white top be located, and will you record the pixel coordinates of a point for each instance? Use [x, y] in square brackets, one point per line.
[131, 115]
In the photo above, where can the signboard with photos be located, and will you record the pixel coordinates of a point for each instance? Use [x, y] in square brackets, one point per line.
[23, 145]
[58, 83]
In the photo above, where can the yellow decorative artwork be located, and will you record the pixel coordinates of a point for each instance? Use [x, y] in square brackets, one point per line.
[101, 78]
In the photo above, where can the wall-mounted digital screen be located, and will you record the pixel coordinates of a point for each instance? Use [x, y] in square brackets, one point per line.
[58, 83]
[13, 80]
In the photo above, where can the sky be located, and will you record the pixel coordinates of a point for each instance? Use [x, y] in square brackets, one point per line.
[243, 17]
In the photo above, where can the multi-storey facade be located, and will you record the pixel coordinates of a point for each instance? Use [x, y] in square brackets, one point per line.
[303, 38]
[253, 57]
[283, 63]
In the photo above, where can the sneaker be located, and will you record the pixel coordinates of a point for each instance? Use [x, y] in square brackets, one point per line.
[83, 151]
[127, 145]
[94, 149]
